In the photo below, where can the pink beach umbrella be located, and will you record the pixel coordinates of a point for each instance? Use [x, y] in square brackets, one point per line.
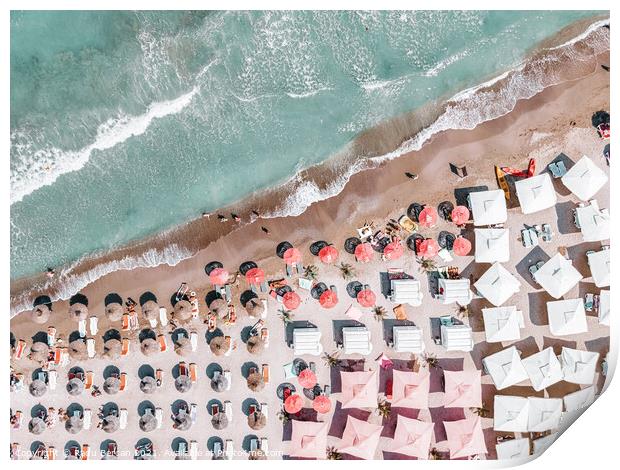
[293, 404]
[328, 299]
[322, 404]
[364, 252]
[460, 215]
[428, 248]
[291, 300]
[366, 298]
[292, 256]
[328, 254]
[428, 217]
[461, 246]
[255, 276]
[393, 250]
[219, 277]
[307, 378]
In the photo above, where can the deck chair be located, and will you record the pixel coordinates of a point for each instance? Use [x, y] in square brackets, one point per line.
[264, 409]
[264, 445]
[228, 377]
[163, 346]
[228, 449]
[163, 316]
[122, 416]
[51, 453]
[52, 379]
[51, 336]
[228, 410]
[125, 322]
[125, 347]
[265, 373]
[193, 337]
[19, 349]
[264, 302]
[93, 325]
[183, 368]
[87, 419]
[193, 372]
[193, 450]
[264, 335]
[82, 328]
[85, 452]
[159, 415]
[123, 381]
[90, 347]
[88, 382]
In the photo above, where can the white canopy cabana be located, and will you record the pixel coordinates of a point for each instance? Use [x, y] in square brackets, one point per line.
[497, 285]
[505, 368]
[513, 449]
[454, 290]
[488, 207]
[603, 308]
[567, 317]
[492, 245]
[557, 276]
[356, 340]
[543, 369]
[536, 193]
[579, 399]
[599, 267]
[307, 341]
[511, 414]
[584, 179]
[544, 413]
[406, 291]
[593, 222]
[408, 339]
[579, 367]
[457, 338]
[502, 324]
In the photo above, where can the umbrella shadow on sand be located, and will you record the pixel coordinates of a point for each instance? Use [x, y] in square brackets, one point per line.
[246, 367]
[441, 414]
[537, 306]
[288, 335]
[389, 423]
[146, 370]
[339, 419]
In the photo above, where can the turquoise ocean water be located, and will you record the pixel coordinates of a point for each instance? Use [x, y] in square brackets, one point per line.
[124, 124]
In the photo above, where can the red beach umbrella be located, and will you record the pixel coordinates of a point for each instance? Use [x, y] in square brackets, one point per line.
[293, 404]
[255, 276]
[328, 299]
[364, 252]
[307, 378]
[328, 254]
[393, 250]
[428, 248]
[460, 215]
[366, 298]
[428, 217]
[219, 276]
[292, 256]
[291, 300]
[322, 404]
[462, 246]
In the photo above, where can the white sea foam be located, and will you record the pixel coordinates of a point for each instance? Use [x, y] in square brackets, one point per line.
[43, 167]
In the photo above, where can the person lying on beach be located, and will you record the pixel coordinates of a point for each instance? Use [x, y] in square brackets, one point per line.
[235, 217]
[265, 229]
[413, 176]
[222, 218]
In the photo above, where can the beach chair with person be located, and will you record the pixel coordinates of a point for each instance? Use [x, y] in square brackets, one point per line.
[193, 372]
[85, 452]
[125, 326]
[163, 346]
[124, 347]
[51, 336]
[51, 453]
[90, 347]
[123, 381]
[265, 373]
[88, 381]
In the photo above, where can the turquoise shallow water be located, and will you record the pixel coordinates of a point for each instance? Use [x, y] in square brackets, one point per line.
[124, 124]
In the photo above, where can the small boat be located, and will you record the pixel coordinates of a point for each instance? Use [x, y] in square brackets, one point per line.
[501, 179]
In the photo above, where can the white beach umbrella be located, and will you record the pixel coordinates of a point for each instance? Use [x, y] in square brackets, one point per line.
[599, 267]
[513, 449]
[502, 324]
[580, 399]
[544, 413]
[543, 369]
[603, 308]
[497, 285]
[593, 222]
[579, 367]
[557, 276]
[584, 179]
[505, 368]
[488, 207]
[536, 193]
[492, 245]
[567, 317]
[511, 414]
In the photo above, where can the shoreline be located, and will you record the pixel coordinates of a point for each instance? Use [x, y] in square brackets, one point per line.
[337, 189]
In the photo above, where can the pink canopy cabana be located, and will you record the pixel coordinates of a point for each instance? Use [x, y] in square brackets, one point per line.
[428, 248]
[359, 389]
[463, 389]
[292, 256]
[465, 437]
[360, 438]
[393, 250]
[364, 252]
[328, 299]
[255, 276]
[291, 300]
[461, 246]
[412, 437]
[411, 389]
[428, 217]
[460, 215]
[308, 440]
[328, 254]
[219, 276]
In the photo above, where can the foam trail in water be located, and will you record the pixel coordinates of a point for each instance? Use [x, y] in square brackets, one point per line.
[43, 167]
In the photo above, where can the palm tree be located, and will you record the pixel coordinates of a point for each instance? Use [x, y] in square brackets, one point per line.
[462, 311]
[311, 272]
[426, 265]
[333, 454]
[331, 360]
[481, 411]
[379, 312]
[431, 361]
[347, 271]
[283, 416]
[434, 454]
[384, 408]
[286, 315]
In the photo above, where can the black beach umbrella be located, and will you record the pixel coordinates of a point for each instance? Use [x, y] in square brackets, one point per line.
[350, 244]
[318, 246]
[353, 288]
[212, 265]
[412, 242]
[445, 239]
[600, 117]
[444, 209]
[246, 266]
[282, 247]
[413, 211]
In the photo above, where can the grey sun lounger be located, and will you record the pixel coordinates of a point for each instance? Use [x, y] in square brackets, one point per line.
[557, 169]
[547, 234]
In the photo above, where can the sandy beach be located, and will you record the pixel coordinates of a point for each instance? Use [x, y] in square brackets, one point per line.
[553, 122]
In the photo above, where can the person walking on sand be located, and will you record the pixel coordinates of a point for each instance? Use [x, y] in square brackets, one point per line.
[265, 229]
[413, 176]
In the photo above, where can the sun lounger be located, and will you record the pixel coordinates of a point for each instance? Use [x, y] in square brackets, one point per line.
[51, 453]
[87, 419]
[19, 349]
[264, 409]
[289, 370]
[163, 316]
[264, 335]
[265, 373]
[356, 340]
[193, 450]
[307, 341]
[183, 368]
[228, 449]
[123, 381]
[253, 444]
[93, 324]
[163, 346]
[193, 375]
[125, 347]
[52, 379]
[88, 382]
[547, 234]
[90, 347]
[19, 419]
[263, 287]
[122, 417]
[51, 336]
[264, 445]
[193, 337]
[159, 415]
[228, 376]
[228, 410]
[556, 170]
[85, 451]
[82, 328]
[193, 412]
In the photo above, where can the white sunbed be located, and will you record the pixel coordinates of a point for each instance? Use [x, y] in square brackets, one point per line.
[307, 341]
[87, 419]
[82, 328]
[454, 291]
[93, 324]
[408, 339]
[159, 415]
[264, 409]
[123, 418]
[193, 337]
[193, 450]
[163, 316]
[52, 379]
[457, 338]
[264, 313]
[90, 347]
[228, 410]
[228, 449]
[228, 377]
[264, 445]
[406, 291]
[356, 340]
